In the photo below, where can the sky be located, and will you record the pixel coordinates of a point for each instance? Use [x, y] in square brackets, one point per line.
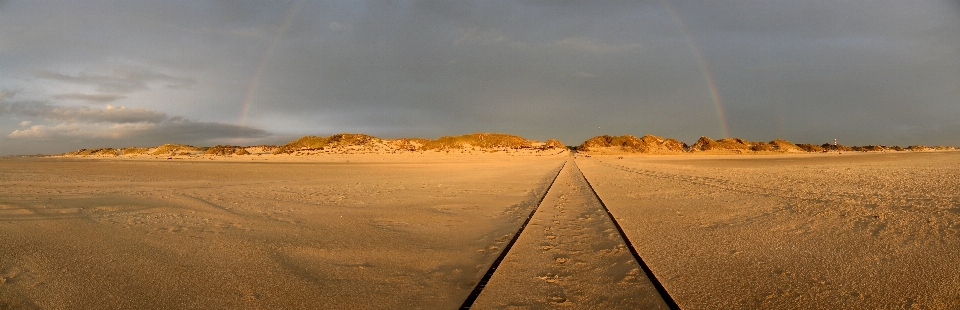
[90, 74]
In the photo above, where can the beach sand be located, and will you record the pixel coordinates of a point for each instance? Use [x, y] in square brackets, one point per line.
[415, 232]
[419, 230]
[830, 231]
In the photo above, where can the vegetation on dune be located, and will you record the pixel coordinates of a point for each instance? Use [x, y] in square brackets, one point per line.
[869, 148]
[305, 142]
[553, 144]
[134, 150]
[93, 152]
[480, 140]
[347, 139]
[265, 147]
[740, 145]
[930, 148]
[629, 143]
[106, 152]
[408, 144]
[348, 143]
[728, 144]
[704, 144]
[761, 147]
[174, 149]
[337, 140]
[837, 147]
[734, 144]
[810, 147]
[224, 150]
[785, 146]
[475, 140]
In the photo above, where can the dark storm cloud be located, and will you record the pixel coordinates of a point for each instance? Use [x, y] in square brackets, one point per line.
[864, 72]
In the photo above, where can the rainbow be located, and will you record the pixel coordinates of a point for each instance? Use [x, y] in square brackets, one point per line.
[255, 81]
[707, 76]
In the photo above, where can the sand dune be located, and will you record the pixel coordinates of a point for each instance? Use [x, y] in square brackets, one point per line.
[650, 144]
[357, 143]
[344, 143]
[629, 144]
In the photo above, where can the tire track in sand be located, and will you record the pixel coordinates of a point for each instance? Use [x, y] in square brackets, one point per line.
[496, 263]
[574, 255]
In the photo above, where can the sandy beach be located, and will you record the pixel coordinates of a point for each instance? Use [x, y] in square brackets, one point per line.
[854, 231]
[412, 233]
[419, 230]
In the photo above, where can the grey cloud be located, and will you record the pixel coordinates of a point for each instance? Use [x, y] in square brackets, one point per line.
[93, 98]
[47, 132]
[588, 45]
[474, 36]
[182, 129]
[175, 129]
[110, 114]
[61, 137]
[121, 79]
[7, 94]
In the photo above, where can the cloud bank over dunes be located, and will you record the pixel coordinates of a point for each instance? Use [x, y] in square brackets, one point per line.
[82, 125]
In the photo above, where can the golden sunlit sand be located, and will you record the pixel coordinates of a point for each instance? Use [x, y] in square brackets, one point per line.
[395, 233]
[870, 231]
[420, 229]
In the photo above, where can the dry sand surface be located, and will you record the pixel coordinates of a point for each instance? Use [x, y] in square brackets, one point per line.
[401, 232]
[420, 230]
[828, 231]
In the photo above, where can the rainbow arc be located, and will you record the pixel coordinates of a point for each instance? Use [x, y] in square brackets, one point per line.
[255, 81]
[704, 67]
